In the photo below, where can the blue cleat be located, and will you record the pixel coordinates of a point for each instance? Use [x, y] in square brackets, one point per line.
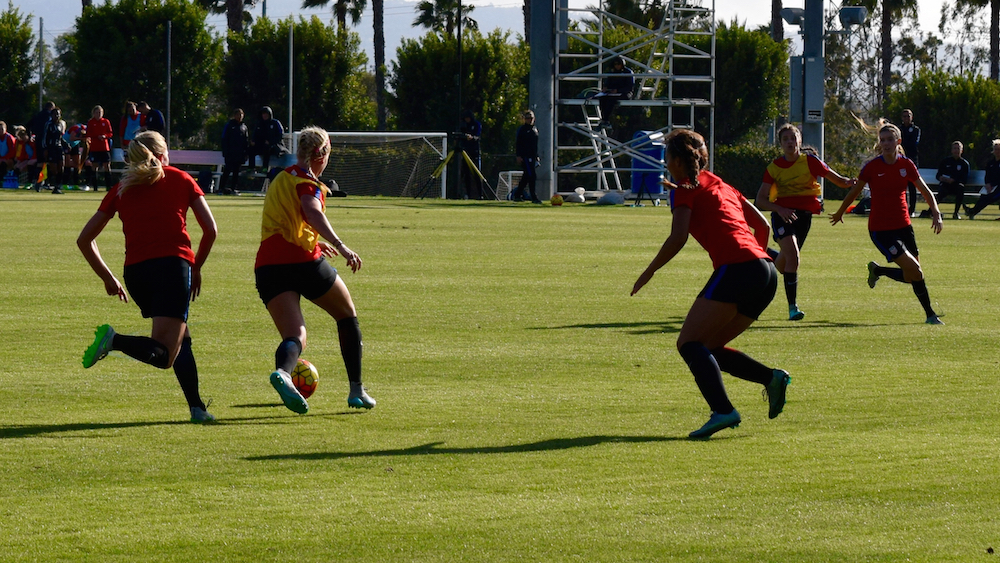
[775, 392]
[359, 398]
[103, 337]
[934, 320]
[715, 423]
[290, 396]
[795, 314]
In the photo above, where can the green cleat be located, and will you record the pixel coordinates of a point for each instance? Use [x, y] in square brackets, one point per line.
[795, 314]
[872, 274]
[934, 320]
[774, 392]
[103, 337]
[715, 423]
[201, 416]
[290, 396]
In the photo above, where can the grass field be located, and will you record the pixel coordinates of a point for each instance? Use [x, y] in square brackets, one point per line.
[528, 408]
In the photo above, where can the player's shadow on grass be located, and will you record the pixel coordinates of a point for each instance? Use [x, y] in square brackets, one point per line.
[668, 325]
[433, 449]
[80, 428]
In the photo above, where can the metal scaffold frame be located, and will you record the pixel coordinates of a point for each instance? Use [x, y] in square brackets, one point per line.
[671, 73]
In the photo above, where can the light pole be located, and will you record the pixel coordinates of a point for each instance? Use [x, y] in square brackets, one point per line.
[808, 71]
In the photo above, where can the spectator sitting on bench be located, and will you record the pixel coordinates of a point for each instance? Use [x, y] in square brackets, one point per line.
[952, 174]
[990, 193]
[267, 139]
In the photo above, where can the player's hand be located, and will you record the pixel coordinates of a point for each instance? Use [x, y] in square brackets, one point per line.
[851, 182]
[668, 184]
[644, 278]
[787, 215]
[114, 287]
[837, 217]
[353, 260]
[936, 223]
[328, 249]
[195, 282]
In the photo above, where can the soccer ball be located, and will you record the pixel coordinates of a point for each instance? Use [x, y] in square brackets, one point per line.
[305, 377]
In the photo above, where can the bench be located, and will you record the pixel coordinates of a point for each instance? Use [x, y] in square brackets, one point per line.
[194, 161]
[977, 179]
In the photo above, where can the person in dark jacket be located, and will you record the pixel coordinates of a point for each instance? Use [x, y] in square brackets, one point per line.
[472, 130]
[38, 126]
[616, 88]
[235, 142]
[952, 175]
[526, 149]
[267, 138]
[911, 147]
[989, 194]
[152, 119]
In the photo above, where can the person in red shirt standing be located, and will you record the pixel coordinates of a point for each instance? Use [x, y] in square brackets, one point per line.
[7, 144]
[99, 135]
[290, 265]
[162, 272]
[888, 176]
[735, 234]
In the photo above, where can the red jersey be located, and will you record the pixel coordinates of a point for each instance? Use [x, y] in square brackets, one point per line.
[275, 249]
[7, 144]
[888, 187]
[717, 220]
[154, 216]
[99, 132]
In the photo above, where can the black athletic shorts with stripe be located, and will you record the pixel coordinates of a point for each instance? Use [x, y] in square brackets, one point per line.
[893, 244]
[750, 285]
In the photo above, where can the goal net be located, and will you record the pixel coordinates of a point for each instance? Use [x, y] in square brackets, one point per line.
[386, 164]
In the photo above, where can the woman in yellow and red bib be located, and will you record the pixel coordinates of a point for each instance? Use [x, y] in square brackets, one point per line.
[291, 264]
[791, 192]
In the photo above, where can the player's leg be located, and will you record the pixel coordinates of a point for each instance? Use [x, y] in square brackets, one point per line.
[914, 275]
[706, 318]
[286, 313]
[338, 304]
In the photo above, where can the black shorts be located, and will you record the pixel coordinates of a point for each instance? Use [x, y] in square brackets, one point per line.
[309, 279]
[893, 244]
[54, 155]
[99, 157]
[750, 285]
[799, 227]
[161, 287]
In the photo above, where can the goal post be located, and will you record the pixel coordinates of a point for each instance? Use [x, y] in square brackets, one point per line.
[396, 164]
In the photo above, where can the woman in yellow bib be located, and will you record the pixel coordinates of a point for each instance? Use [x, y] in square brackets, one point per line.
[291, 264]
[791, 192]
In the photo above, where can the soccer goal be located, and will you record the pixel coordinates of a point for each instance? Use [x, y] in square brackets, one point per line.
[382, 163]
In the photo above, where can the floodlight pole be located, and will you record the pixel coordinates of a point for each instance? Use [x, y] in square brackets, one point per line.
[814, 75]
[169, 83]
[459, 163]
[41, 63]
[541, 98]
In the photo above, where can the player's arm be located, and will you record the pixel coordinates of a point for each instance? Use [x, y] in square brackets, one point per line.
[87, 242]
[209, 232]
[840, 181]
[756, 220]
[936, 223]
[313, 213]
[838, 216]
[674, 243]
[763, 201]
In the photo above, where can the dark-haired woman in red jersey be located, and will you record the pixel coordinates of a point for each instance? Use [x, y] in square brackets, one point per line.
[735, 234]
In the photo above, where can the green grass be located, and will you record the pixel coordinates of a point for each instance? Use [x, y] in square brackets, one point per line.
[528, 408]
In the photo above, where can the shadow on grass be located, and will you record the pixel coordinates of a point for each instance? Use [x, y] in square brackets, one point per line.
[672, 325]
[432, 448]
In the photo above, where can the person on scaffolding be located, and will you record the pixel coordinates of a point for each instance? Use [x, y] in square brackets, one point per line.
[616, 88]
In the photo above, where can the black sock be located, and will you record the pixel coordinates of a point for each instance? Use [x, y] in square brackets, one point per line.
[91, 178]
[740, 365]
[891, 273]
[707, 375]
[920, 290]
[351, 347]
[142, 348]
[107, 180]
[791, 286]
[287, 354]
[186, 371]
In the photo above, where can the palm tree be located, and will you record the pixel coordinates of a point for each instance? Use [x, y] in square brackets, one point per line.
[442, 16]
[891, 10]
[234, 10]
[994, 6]
[341, 9]
[777, 28]
[355, 7]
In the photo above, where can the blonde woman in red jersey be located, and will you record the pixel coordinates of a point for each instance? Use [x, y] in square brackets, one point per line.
[791, 191]
[291, 264]
[735, 234]
[162, 272]
[888, 176]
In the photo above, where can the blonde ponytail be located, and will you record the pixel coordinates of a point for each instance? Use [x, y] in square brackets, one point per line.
[143, 156]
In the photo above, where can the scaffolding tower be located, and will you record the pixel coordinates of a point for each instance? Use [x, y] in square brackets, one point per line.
[673, 61]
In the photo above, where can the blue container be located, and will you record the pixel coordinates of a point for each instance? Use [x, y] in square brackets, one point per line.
[646, 175]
